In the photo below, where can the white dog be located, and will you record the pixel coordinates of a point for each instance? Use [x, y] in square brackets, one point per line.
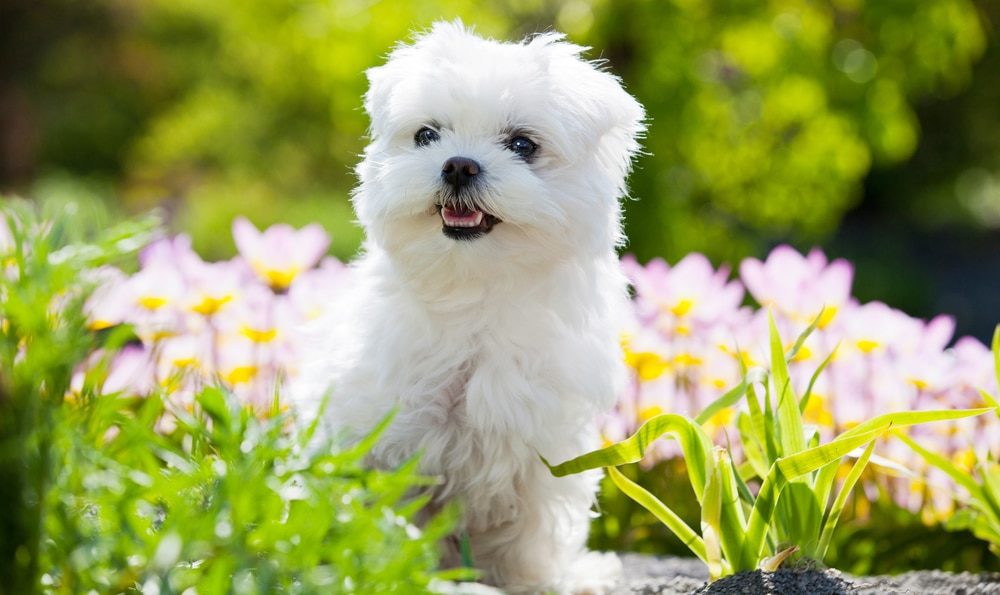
[486, 306]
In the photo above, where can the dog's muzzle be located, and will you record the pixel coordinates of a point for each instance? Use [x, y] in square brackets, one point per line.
[462, 219]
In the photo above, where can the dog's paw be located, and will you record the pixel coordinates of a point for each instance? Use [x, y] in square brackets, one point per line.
[594, 573]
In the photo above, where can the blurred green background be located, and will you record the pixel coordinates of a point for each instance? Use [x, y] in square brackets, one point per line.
[871, 128]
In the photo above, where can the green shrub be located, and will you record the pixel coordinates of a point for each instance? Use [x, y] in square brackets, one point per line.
[113, 493]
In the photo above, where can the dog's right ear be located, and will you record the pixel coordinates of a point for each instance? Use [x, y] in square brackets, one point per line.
[404, 59]
[376, 99]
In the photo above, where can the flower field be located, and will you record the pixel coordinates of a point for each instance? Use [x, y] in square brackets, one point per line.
[161, 368]
[240, 323]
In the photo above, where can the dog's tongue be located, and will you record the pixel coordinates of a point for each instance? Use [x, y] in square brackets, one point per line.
[461, 217]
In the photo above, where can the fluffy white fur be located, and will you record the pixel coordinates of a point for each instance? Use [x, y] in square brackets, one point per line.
[501, 348]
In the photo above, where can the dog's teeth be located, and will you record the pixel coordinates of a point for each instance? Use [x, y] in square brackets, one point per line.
[468, 219]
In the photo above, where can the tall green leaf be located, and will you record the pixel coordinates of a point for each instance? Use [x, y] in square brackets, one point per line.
[791, 435]
[694, 442]
[662, 512]
[833, 515]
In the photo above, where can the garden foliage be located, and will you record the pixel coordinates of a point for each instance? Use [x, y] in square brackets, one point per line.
[981, 515]
[107, 491]
[795, 506]
[240, 323]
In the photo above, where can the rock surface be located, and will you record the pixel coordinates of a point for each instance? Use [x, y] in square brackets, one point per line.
[646, 575]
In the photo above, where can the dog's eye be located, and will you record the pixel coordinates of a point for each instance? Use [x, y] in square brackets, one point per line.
[522, 146]
[425, 136]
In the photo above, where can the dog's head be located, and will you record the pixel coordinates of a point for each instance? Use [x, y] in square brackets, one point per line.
[485, 149]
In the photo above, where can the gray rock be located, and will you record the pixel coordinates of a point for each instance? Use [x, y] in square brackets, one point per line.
[648, 575]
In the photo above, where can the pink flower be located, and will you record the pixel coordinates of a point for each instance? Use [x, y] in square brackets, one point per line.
[110, 303]
[131, 372]
[280, 253]
[318, 290]
[688, 297]
[799, 286]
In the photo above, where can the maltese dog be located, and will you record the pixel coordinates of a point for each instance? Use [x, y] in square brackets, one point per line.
[487, 304]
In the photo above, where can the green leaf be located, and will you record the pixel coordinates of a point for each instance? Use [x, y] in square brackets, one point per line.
[784, 469]
[214, 404]
[804, 402]
[798, 516]
[791, 467]
[752, 449]
[730, 398]
[711, 522]
[666, 516]
[957, 475]
[823, 484]
[733, 525]
[801, 340]
[902, 419]
[694, 442]
[833, 516]
[791, 435]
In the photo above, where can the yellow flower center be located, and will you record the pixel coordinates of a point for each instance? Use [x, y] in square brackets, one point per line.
[687, 359]
[241, 374]
[649, 413]
[867, 345]
[829, 313]
[682, 307]
[965, 459]
[209, 305]
[721, 419]
[185, 362]
[259, 335]
[817, 412]
[804, 354]
[648, 365]
[152, 302]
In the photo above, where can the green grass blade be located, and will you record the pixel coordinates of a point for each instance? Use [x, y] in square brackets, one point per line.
[815, 376]
[989, 472]
[801, 340]
[957, 475]
[791, 436]
[789, 468]
[694, 442]
[711, 521]
[824, 482]
[760, 519]
[901, 419]
[990, 401]
[763, 426]
[811, 459]
[666, 516]
[733, 521]
[833, 516]
[730, 398]
[752, 448]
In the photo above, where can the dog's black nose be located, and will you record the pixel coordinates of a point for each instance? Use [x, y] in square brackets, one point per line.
[459, 171]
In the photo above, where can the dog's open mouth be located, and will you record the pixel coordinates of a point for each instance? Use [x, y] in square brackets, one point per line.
[462, 222]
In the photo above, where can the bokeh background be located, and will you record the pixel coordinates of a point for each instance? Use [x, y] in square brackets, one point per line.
[871, 129]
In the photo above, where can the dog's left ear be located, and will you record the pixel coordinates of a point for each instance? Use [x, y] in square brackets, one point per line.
[606, 115]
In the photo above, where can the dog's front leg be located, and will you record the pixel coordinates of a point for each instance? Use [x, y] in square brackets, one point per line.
[542, 548]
